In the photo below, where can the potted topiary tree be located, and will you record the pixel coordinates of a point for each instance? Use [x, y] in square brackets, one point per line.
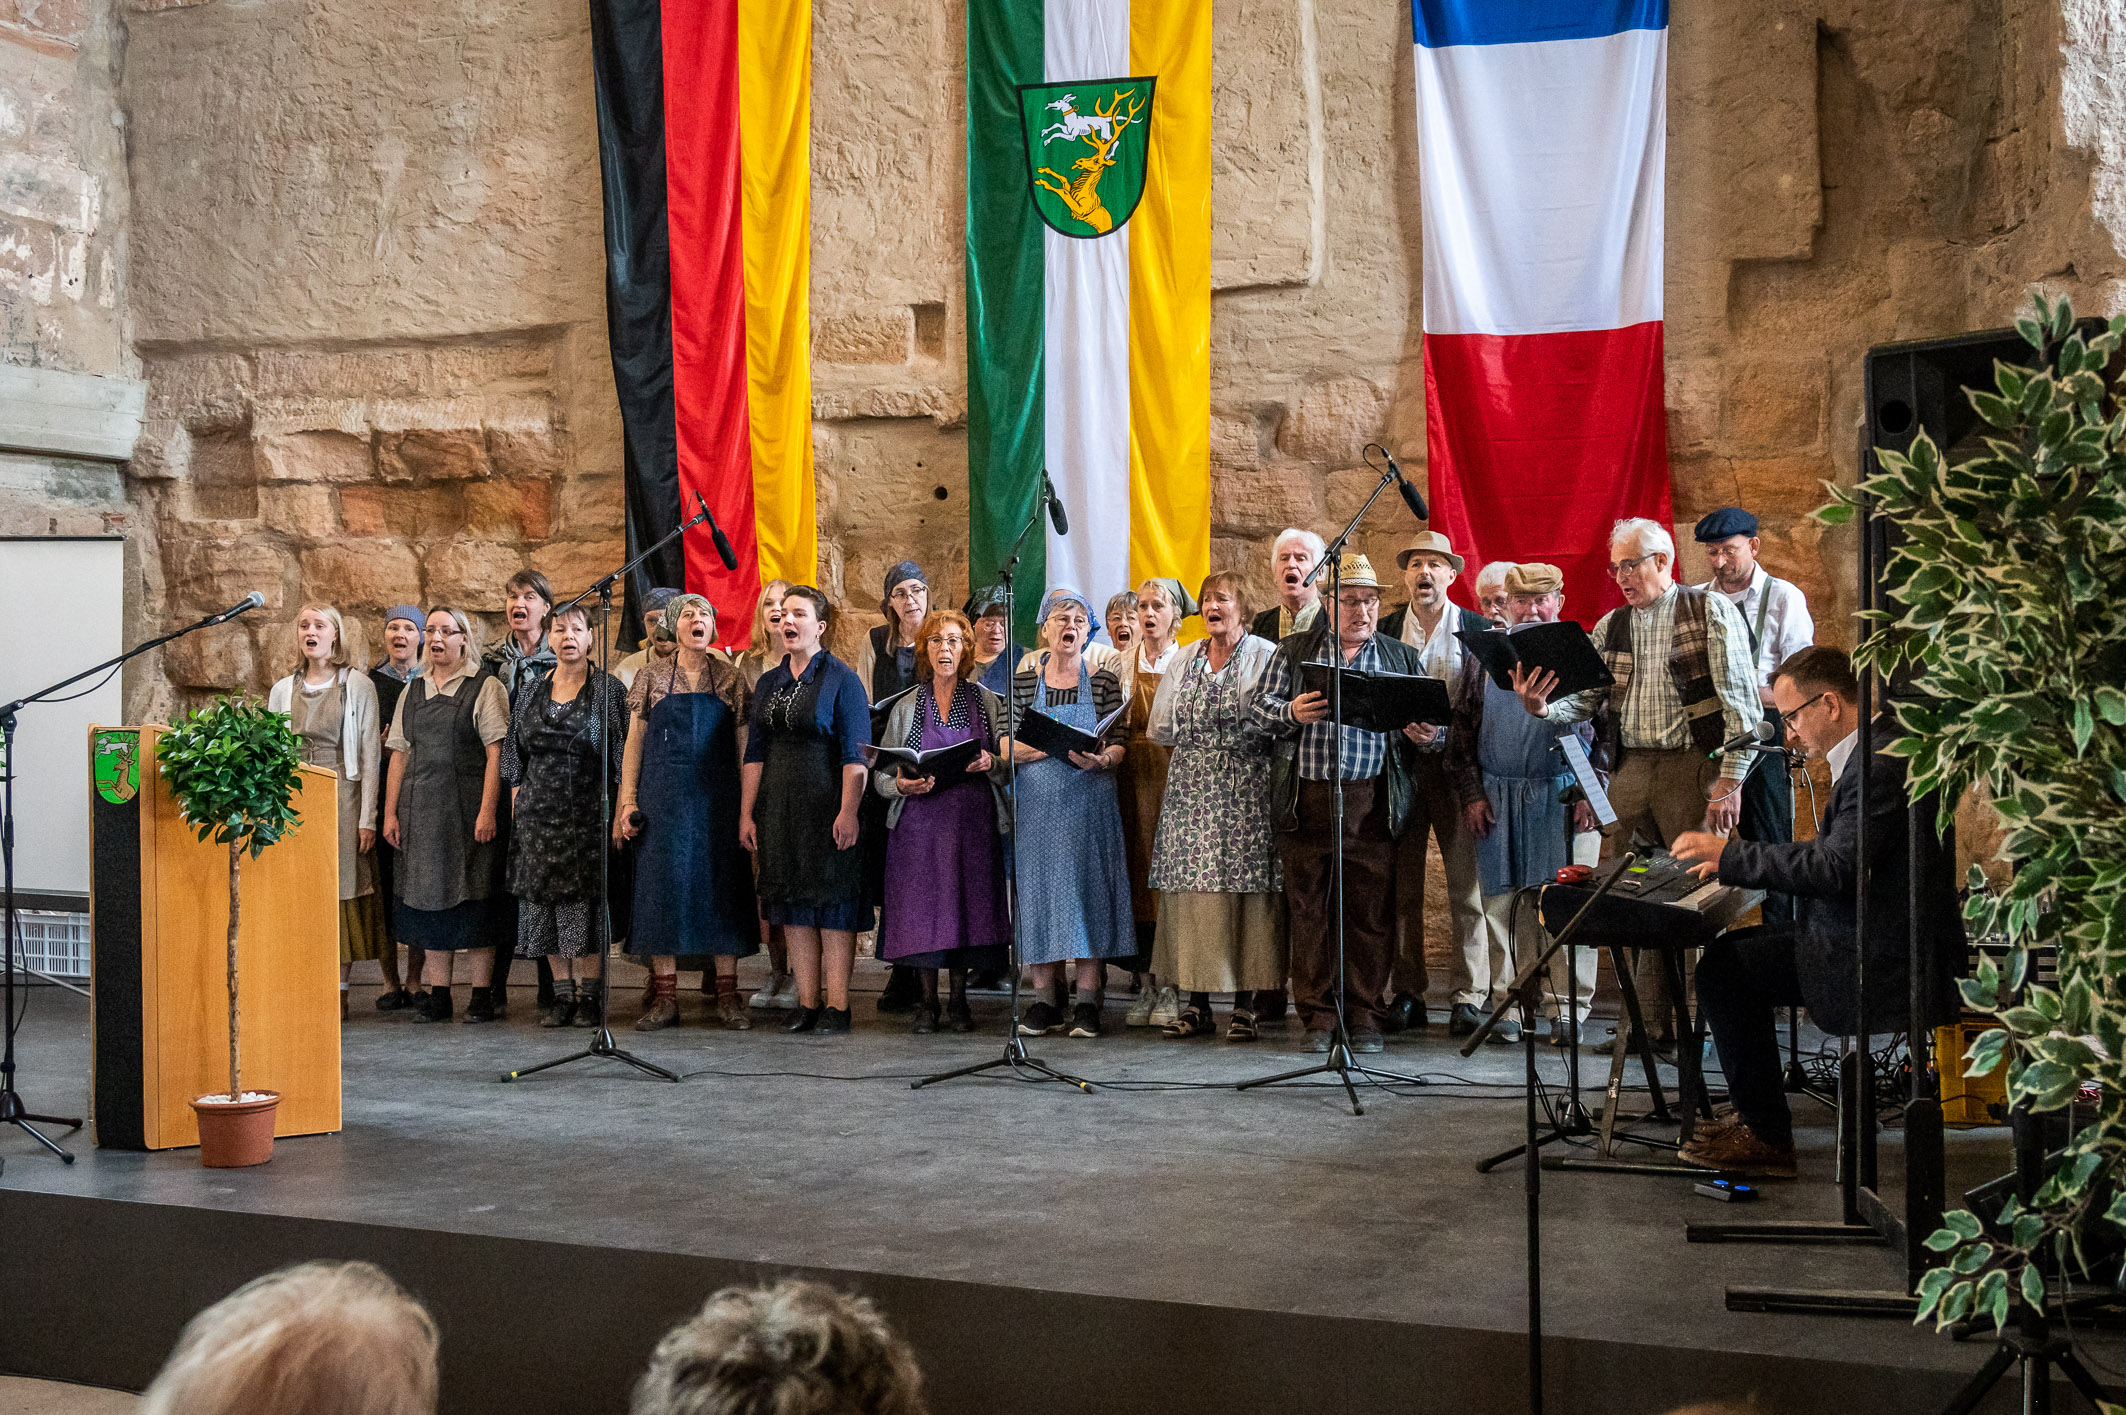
[232, 768]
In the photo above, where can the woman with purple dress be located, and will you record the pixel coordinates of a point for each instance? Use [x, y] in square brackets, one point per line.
[944, 906]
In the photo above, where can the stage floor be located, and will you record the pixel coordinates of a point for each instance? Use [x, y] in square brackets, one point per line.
[1163, 1187]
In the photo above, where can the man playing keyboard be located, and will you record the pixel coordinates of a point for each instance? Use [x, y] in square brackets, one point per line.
[1746, 974]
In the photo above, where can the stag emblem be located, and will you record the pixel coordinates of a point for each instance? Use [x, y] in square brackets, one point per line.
[1069, 158]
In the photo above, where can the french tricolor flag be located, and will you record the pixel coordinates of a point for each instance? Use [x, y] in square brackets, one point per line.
[1542, 139]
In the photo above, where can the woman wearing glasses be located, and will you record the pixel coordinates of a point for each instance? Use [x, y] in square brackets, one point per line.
[944, 873]
[886, 663]
[442, 806]
[1073, 876]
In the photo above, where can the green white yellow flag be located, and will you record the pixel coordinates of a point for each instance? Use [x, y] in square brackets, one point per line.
[1089, 288]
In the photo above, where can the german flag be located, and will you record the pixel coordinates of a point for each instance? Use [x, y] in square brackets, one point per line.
[704, 144]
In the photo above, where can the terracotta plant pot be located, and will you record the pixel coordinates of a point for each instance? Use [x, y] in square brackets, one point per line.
[234, 1135]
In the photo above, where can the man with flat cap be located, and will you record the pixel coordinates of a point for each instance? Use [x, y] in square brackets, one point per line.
[1514, 785]
[1306, 750]
[1776, 614]
[1428, 622]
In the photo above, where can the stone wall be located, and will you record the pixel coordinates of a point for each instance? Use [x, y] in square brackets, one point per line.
[367, 279]
[62, 243]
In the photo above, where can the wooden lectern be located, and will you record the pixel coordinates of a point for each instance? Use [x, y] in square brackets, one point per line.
[159, 905]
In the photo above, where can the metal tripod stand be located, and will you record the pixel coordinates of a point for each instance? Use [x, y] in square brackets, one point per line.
[601, 1043]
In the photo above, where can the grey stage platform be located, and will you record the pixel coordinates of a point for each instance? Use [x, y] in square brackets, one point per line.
[1158, 1250]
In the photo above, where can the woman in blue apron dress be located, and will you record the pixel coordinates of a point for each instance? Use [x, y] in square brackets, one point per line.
[1071, 868]
[679, 791]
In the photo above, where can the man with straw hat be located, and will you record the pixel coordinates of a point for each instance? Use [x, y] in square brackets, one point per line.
[1376, 768]
[1428, 623]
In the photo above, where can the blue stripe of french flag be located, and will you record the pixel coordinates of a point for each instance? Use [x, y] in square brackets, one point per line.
[1542, 152]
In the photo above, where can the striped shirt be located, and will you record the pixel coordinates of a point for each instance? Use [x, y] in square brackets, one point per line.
[1365, 754]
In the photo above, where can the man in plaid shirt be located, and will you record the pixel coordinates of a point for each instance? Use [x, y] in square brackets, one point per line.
[1686, 681]
[1377, 802]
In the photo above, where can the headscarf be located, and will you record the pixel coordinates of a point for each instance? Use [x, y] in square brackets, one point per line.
[409, 613]
[906, 570]
[659, 598]
[1060, 595]
[988, 600]
[668, 627]
[1184, 603]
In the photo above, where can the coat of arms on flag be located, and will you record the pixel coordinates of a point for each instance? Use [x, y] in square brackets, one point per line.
[1086, 150]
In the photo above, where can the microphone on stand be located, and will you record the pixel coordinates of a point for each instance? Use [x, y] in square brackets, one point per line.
[1056, 517]
[728, 556]
[1763, 737]
[245, 605]
[1411, 498]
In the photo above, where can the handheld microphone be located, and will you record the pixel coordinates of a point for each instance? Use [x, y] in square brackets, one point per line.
[1411, 499]
[1056, 517]
[728, 556]
[249, 602]
[1759, 738]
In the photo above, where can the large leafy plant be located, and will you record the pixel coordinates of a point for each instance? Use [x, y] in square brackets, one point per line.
[2005, 597]
[231, 765]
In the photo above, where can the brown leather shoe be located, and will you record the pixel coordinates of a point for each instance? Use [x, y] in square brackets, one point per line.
[664, 1012]
[731, 1011]
[1739, 1150]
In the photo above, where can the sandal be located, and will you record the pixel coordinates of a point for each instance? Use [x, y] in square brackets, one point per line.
[1193, 1022]
[1242, 1027]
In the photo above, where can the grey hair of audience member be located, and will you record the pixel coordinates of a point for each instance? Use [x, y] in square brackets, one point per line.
[324, 1338]
[796, 1348]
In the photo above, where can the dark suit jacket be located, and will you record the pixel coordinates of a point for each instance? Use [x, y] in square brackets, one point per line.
[1820, 875]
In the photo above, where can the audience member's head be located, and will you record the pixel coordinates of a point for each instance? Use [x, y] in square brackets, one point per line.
[314, 1339]
[795, 1348]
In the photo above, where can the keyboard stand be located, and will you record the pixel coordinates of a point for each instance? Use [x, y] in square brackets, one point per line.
[1690, 1081]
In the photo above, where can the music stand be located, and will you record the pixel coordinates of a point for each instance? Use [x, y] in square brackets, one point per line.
[1016, 1061]
[1341, 1061]
[601, 1040]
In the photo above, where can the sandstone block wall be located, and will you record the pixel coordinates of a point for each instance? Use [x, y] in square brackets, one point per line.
[365, 279]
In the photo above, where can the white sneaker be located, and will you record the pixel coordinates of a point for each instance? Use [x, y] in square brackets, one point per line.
[786, 992]
[1140, 1011]
[1168, 1008]
[770, 995]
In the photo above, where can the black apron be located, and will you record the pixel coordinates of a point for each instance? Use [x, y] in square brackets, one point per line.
[440, 866]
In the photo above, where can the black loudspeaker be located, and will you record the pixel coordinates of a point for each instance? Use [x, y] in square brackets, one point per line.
[1918, 386]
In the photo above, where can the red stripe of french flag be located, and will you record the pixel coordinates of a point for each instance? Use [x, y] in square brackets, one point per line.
[1541, 130]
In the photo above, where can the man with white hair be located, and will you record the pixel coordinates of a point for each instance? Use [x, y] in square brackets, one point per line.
[1491, 592]
[1685, 681]
[1293, 556]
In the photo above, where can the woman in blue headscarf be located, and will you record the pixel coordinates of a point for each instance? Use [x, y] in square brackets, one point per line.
[1072, 873]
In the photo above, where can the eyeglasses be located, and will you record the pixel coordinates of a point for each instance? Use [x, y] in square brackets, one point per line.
[1349, 601]
[909, 594]
[1618, 569]
[943, 641]
[1800, 708]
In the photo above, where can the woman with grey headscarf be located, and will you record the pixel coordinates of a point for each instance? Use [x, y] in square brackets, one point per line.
[680, 792]
[1072, 873]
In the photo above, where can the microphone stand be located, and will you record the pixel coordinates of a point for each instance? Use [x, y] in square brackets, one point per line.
[1340, 1061]
[601, 1041]
[1016, 1062]
[12, 1110]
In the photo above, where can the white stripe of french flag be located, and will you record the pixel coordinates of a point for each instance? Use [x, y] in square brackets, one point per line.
[1542, 151]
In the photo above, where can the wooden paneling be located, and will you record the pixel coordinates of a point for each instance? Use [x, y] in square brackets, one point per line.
[288, 951]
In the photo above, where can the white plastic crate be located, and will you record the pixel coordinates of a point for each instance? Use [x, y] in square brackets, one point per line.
[52, 943]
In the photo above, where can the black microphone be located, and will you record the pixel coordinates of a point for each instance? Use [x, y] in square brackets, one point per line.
[1758, 738]
[1411, 499]
[723, 542]
[1056, 517]
[249, 602]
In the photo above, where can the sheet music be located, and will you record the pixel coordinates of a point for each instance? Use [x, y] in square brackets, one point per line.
[1589, 782]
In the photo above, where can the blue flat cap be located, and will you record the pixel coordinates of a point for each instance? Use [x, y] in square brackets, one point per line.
[1725, 522]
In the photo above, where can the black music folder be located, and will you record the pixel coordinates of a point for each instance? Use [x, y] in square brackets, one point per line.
[1383, 702]
[881, 709]
[948, 764]
[1044, 734]
[1563, 648]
